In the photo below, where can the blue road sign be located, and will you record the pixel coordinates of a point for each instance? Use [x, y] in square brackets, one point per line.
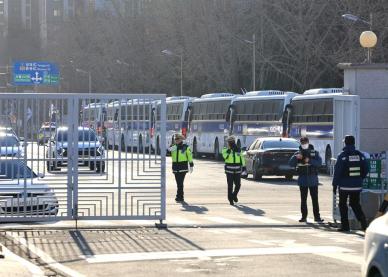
[35, 73]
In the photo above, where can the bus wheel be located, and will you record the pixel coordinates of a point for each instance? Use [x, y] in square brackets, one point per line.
[157, 146]
[123, 147]
[195, 153]
[216, 150]
[328, 156]
[140, 145]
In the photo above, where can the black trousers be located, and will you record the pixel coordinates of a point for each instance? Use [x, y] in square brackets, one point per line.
[314, 198]
[233, 178]
[354, 203]
[180, 178]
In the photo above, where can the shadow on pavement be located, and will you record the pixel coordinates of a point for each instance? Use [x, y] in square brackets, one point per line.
[192, 208]
[249, 210]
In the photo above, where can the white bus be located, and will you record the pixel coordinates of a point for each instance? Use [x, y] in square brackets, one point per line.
[259, 114]
[129, 124]
[93, 116]
[208, 125]
[178, 110]
[325, 116]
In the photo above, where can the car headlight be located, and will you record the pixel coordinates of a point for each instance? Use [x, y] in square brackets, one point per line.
[100, 150]
[60, 151]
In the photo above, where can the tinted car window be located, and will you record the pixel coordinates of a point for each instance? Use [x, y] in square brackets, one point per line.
[8, 141]
[280, 144]
[15, 170]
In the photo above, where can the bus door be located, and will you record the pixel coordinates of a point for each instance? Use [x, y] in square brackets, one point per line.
[186, 124]
[286, 121]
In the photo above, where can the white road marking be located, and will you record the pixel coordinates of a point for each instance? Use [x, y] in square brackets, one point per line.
[263, 219]
[180, 220]
[296, 218]
[222, 220]
[286, 242]
[33, 269]
[147, 256]
[46, 258]
[345, 257]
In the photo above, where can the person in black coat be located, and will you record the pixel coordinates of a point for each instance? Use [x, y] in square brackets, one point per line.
[307, 161]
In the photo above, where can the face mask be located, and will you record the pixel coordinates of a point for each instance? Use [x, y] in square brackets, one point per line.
[305, 146]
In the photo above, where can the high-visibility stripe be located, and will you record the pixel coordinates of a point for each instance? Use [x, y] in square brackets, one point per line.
[354, 174]
[357, 188]
[354, 168]
[233, 167]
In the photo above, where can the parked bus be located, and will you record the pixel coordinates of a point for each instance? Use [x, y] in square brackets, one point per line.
[325, 116]
[93, 116]
[259, 114]
[178, 110]
[208, 126]
[129, 124]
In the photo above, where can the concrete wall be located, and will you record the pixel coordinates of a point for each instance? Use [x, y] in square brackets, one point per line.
[370, 82]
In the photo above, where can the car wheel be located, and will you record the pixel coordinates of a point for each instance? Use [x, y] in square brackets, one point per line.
[289, 177]
[256, 175]
[91, 166]
[48, 166]
[375, 273]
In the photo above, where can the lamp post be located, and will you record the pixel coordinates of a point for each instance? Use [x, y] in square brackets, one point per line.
[253, 42]
[170, 53]
[89, 75]
[368, 39]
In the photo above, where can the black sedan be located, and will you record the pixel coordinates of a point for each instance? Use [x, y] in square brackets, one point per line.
[270, 156]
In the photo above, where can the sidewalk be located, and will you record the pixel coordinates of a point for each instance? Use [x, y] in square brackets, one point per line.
[15, 266]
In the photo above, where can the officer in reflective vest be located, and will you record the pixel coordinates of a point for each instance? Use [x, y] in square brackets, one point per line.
[181, 160]
[234, 165]
[350, 170]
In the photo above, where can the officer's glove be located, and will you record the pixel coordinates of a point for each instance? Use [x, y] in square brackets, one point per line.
[191, 169]
[335, 189]
[228, 151]
[172, 148]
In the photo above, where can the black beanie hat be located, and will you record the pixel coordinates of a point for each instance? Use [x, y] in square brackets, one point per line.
[350, 140]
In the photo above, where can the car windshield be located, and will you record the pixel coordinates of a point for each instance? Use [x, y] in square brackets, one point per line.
[6, 141]
[280, 144]
[83, 135]
[15, 170]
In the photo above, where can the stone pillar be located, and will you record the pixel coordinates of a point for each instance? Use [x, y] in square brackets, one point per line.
[370, 82]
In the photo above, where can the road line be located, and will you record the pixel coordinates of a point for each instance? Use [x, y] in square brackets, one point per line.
[204, 254]
[33, 269]
[263, 219]
[46, 258]
[345, 257]
[222, 220]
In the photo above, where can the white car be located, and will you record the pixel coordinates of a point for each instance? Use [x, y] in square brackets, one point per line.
[90, 150]
[10, 146]
[23, 193]
[376, 248]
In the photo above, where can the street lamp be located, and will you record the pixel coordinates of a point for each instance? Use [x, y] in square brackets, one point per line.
[253, 42]
[368, 39]
[90, 77]
[170, 53]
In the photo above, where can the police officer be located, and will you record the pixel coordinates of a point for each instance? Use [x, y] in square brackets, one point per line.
[234, 165]
[307, 161]
[181, 160]
[350, 170]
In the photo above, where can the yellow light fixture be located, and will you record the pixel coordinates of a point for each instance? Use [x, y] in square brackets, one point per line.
[368, 39]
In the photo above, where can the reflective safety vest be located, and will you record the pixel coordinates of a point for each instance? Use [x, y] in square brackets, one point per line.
[181, 157]
[234, 161]
[353, 164]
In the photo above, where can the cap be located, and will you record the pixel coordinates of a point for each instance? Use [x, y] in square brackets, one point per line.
[231, 139]
[349, 140]
[304, 140]
[179, 136]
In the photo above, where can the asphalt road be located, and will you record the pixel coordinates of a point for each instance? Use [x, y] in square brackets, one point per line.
[260, 236]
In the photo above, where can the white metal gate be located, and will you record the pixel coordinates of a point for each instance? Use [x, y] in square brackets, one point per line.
[81, 156]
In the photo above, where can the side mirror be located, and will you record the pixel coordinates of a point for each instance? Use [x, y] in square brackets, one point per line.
[40, 175]
[21, 138]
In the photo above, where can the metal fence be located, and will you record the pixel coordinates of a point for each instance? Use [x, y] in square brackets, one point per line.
[81, 157]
